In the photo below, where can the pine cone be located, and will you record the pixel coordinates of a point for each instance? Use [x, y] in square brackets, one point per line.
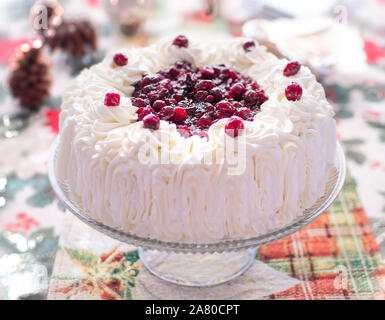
[72, 36]
[29, 78]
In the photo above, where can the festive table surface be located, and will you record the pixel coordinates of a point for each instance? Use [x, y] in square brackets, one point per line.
[45, 252]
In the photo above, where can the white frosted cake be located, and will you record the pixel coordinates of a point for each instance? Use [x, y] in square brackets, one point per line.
[196, 141]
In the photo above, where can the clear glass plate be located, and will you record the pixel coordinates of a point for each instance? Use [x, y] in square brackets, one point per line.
[217, 262]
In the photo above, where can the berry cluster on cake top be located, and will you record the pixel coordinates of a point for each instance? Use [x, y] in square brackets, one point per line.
[195, 98]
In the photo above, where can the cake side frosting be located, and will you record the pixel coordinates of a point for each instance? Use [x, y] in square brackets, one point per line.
[289, 150]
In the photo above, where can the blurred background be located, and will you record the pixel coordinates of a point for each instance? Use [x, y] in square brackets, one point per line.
[44, 44]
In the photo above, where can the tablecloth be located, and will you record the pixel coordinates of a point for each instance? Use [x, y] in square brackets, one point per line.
[338, 256]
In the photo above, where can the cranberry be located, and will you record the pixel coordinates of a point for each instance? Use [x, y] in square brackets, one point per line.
[179, 114]
[151, 121]
[248, 45]
[139, 103]
[225, 74]
[147, 89]
[173, 72]
[293, 91]
[209, 98]
[244, 113]
[158, 104]
[207, 73]
[225, 107]
[166, 83]
[291, 68]
[237, 104]
[150, 80]
[166, 112]
[142, 112]
[220, 115]
[236, 91]
[178, 96]
[180, 41]
[170, 101]
[204, 122]
[233, 126]
[261, 97]
[145, 81]
[112, 100]
[217, 93]
[205, 85]
[200, 95]
[120, 59]
[253, 86]
[158, 95]
[250, 97]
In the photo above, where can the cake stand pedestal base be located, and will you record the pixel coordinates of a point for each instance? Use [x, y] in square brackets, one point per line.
[196, 269]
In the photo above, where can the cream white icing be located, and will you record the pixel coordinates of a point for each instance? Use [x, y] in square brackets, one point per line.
[288, 151]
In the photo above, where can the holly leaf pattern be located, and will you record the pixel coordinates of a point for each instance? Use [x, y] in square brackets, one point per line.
[380, 126]
[375, 124]
[382, 136]
[131, 256]
[344, 114]
[352, 142]
[43, 193]
[356, 156]
[341, 94]
[84, 258]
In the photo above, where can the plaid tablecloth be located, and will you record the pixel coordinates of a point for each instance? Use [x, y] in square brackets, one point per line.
[41, 246]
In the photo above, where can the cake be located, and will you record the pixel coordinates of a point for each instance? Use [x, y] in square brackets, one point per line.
[196, 141]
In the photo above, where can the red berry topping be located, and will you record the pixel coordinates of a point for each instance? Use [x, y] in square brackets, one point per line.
[254, 97]
[233, 126]
[142, 112]
[236, 91]
[166, 113]
[112, 100]
[200, 95]
[179, 114]
[151, 121]
[139, 103]
[207, 72]
[261, 96]
[120, 59]
[244, 113]
[248, 45]
[204, 122]
[225, 107]
[293, 92]
[158, 105]
[291, 68]
[194, 99]
[180, 41]
[205, 85]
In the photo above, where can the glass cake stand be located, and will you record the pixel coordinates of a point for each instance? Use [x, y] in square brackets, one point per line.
[197, 264]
